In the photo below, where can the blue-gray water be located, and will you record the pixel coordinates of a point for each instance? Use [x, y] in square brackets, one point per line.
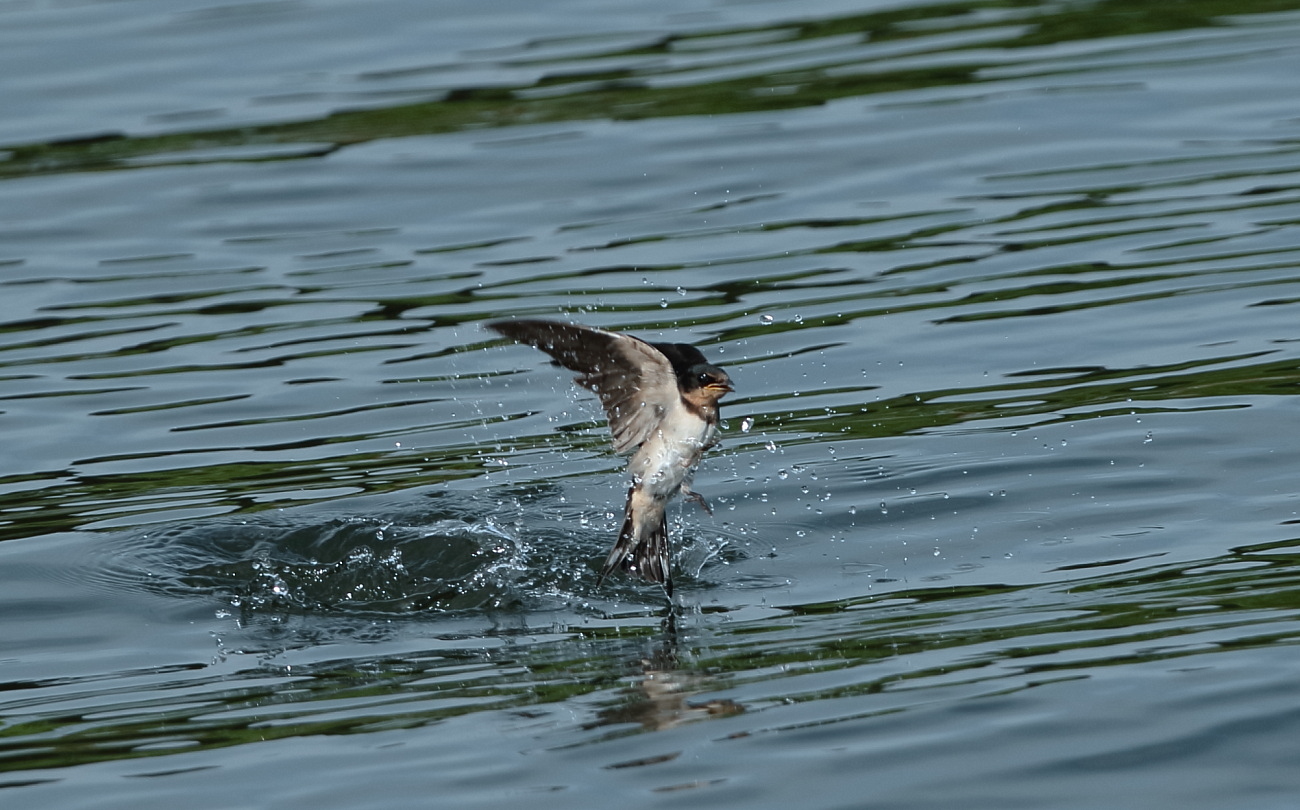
[1006, 512]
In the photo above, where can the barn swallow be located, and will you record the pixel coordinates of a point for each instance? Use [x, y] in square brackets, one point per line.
[661, 400]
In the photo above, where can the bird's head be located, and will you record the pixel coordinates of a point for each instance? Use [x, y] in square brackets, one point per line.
[706, 381]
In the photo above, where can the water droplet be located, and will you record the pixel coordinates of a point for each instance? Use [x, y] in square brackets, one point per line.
[765, 319]
[746, 424]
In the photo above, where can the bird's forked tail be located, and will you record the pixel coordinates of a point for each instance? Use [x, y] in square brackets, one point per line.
[642, 546]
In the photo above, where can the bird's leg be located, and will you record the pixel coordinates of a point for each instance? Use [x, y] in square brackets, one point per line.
[695, 497]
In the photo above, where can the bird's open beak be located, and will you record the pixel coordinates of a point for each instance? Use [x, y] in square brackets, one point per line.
[719, 386]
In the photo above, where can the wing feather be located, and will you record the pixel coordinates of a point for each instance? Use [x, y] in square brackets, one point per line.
[635, 381]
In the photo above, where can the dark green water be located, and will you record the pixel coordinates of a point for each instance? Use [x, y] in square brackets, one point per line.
[1005, 513]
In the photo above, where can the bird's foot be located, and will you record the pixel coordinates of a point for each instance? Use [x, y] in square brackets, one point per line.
[695, 497]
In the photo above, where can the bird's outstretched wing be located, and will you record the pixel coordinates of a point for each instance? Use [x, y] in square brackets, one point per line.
[635, 381]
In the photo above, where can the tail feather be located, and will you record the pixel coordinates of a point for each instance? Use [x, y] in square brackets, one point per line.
[642, 546]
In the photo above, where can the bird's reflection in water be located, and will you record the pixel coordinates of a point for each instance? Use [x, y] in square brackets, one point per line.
[660, 698]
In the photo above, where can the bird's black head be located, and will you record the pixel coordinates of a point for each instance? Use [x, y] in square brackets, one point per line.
[706, 379]
[698, 379]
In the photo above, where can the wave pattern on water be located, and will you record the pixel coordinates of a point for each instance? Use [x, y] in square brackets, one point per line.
[1006, 496]
[811, 667]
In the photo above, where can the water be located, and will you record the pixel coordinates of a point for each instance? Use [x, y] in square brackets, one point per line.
[1005, 511]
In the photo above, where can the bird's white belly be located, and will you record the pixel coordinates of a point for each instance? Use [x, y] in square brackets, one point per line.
[661, 464]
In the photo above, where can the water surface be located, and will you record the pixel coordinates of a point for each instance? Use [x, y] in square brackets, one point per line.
[1005, 511]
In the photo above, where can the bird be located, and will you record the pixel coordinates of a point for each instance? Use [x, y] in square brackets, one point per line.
[661, 400]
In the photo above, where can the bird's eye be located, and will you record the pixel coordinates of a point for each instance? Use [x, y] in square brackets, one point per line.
[704, 379]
